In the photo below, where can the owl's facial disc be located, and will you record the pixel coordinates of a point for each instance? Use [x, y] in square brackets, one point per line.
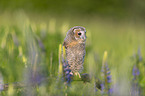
[80, 35]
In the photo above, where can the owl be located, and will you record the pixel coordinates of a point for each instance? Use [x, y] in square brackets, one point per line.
[74, 44]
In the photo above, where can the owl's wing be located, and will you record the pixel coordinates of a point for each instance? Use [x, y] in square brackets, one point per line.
[71, 44]
[65, 45]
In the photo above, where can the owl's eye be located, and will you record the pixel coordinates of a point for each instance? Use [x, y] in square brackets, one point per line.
[79, 34]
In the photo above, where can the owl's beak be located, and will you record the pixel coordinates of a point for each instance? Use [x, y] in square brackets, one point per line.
[83, 37]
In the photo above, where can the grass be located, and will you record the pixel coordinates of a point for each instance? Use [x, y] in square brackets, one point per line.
[29, 53]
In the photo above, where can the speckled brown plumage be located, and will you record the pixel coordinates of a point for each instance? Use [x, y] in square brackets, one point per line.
[74, 43]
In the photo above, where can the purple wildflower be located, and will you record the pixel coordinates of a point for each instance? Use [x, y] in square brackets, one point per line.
[67, 69]
[135, 71]
[108, 72]
[110, 91]
[67, 72]
[96, 89]
[102, 87]
[135, 85]
[107, 79]
[1, 87]
[1, 83]
[136, 89]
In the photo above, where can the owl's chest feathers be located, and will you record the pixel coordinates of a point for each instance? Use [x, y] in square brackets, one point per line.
[75, 56]
[76, 53]
[76, 48]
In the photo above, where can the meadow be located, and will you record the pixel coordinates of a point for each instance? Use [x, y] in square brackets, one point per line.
[29, 54]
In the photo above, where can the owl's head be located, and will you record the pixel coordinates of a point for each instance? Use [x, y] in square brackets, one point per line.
[79, 33]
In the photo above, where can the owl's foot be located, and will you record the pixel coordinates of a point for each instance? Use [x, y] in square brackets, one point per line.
[77, 73]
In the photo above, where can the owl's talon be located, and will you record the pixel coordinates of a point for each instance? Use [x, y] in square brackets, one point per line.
[77, 73]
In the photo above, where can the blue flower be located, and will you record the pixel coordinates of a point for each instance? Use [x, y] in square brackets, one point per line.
[110, 90]
[1, 87]
[109, 78]
[135, 71]
[67, 72]
[102, 87]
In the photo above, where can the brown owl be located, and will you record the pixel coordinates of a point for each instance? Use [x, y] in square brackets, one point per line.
[74, 44]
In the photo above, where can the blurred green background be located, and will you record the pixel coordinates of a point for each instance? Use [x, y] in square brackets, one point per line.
[115, 8]
[31, 31]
